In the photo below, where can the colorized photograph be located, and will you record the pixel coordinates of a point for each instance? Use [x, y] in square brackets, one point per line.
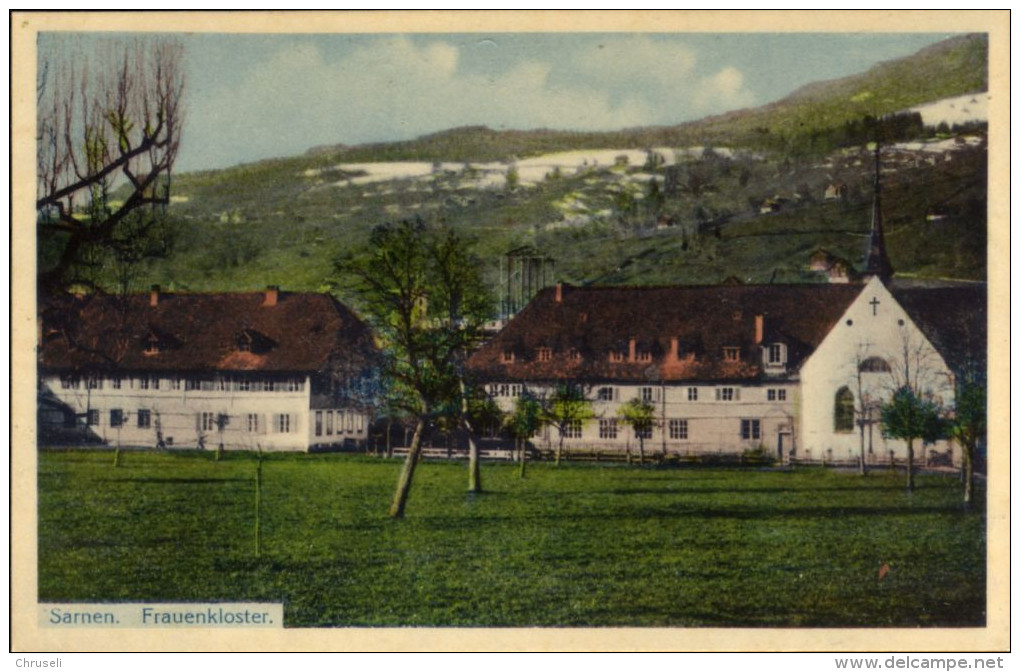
[664, 329]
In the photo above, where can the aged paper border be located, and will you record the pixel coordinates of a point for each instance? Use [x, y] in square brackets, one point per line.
[26, 636]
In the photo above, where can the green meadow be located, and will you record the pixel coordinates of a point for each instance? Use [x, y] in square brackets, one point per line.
[578, 545]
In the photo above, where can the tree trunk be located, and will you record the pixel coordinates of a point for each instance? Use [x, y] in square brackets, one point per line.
[389, 439]
[968, 476]
[474, 469]
[524, 457]
[407, 472]
[474, 466]
[559, 449]
[910, 464]
[864, 463]
[641, 450]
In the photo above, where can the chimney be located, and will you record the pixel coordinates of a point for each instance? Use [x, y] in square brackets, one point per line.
[759, 329]
[272, 295]
[674, 348]
[632, 351]
[559, 292]
[154, 296]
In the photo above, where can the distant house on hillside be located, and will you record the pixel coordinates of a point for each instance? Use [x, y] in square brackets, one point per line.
[836, 191]
[726, 368]
[835, 269]
[266, 370]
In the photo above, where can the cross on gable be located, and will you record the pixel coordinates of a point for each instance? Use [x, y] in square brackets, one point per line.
[874, 305]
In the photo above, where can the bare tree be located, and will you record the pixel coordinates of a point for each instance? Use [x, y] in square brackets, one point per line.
[109, 124]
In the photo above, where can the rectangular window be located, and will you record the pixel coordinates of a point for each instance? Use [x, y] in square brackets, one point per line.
[776, 353]
[92, 417]
[143, 383]
[154, 383]
[318, 423]
[175, 383]
[350, 422]
[606, 394]
[544, 354]
[750, 430]
[244, 385]
[144, 418]
[268, 385]
[95, 383]
[329, 423]
[727, 394]
[607, 429]
[615, 356]
[208, 385]
[116, 417]
[776, 394]
[504, 390]
[253, 423]
[69, 383]
[191, 384]
[361, 423]
[295, 385]
[283, 423]
[692, 394]
[572, 429]
[644, 355]
[515, 390]
[224, 383]
[647, 394]
[642, 432]
[207, 421]
[508, 357]
[114, 383]
[678, 429]
[731, 354]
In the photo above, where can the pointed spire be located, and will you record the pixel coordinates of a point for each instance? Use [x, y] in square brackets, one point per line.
[877, 260]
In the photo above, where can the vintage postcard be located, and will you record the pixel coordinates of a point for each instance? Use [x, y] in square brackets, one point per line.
[510, 331]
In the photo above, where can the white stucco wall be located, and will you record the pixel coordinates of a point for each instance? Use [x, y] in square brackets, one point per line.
[253, 421]
[713, 426]
[875, 325]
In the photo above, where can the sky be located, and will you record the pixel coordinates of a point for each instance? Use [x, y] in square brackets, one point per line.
[257, 96]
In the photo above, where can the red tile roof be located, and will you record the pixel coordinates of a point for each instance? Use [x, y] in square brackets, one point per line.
[303, 332]
[702, 319]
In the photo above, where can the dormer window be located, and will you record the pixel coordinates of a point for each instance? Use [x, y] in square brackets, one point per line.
[574, 355]
[643, 356]
[544, 354]
[507, 357]
[153, 344]
[775, 356]
[616, 356]
[731, 354]
[252, 341]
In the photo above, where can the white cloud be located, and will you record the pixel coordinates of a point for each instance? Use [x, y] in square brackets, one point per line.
[395, 88]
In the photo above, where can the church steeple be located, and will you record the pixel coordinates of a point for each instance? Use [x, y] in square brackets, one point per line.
[877, 259]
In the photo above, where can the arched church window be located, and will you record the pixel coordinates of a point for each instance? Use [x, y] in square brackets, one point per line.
[843, 416]
[875, 365]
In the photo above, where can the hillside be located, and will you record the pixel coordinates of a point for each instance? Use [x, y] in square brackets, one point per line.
[634, 206]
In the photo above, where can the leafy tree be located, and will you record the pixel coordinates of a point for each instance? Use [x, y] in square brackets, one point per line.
[908, 416]
[421, 289]
[567, 407]
[968, 426]
[109, 121]
[523, 423]
[640, 416]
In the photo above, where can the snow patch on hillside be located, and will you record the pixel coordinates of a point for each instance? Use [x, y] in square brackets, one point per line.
[955, 110]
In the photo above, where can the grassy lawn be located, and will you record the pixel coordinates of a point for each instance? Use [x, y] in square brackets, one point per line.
[582, 545]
